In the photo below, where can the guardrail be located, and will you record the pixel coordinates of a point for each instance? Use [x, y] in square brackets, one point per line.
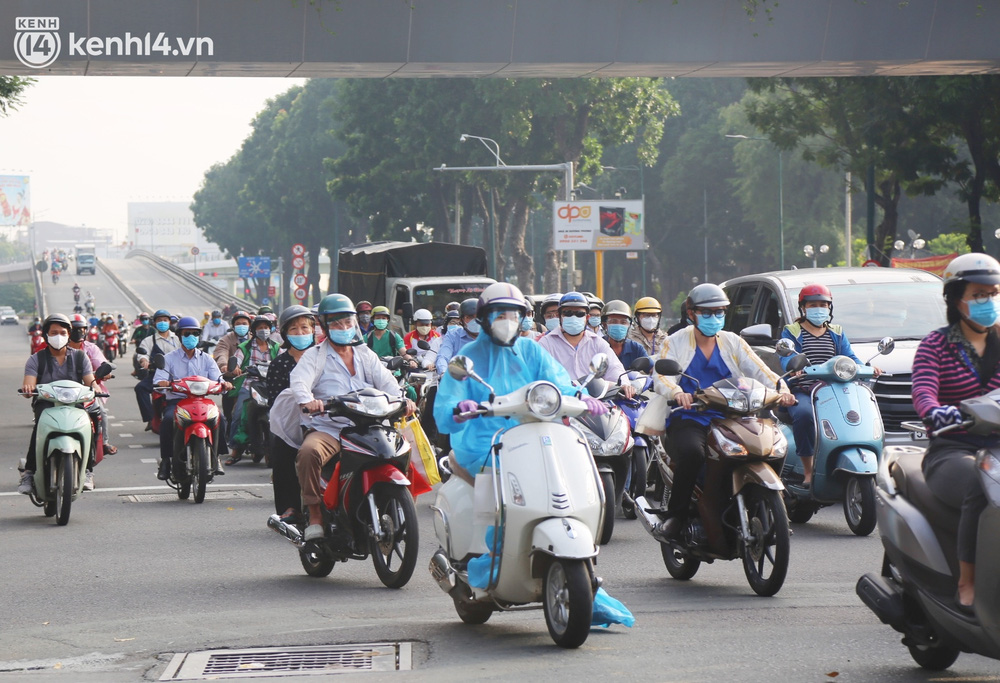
[136, 300]
[214, 295]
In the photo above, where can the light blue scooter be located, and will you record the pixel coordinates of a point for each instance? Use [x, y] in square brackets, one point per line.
[849, 440]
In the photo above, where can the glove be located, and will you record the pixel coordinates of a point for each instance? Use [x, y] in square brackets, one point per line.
[943, 416]
[466, 406]
[594, 406]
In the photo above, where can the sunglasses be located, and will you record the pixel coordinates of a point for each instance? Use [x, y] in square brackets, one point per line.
[717, 313]
[574, 314]
[190, 333]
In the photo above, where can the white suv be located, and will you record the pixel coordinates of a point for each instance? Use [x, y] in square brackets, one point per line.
[8, 315]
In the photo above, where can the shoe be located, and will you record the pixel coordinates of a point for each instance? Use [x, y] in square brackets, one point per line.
[967, 610]
[27, 484]
[219, 471]
[88, 481]
[669, 529]
[313, 532]
[109, 449]
[164, 472]
[149, 427]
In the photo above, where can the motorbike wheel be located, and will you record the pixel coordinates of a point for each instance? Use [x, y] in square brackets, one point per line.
[936, 658]
[859, 505]
[315, 566]
[568, 601]
[798, 513]
[400, 536]
[202, 465]
[49, 508]
[608, 528]
[474, 613]
[638, 483]
[679, 564]
[768, 547]
[65, 485]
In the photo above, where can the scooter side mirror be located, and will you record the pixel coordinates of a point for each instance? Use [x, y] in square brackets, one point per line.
[599, 364]
[886, 345]
[103, 370]
[231, 364]
[784, 348]
[667, 366]
[158, 362]
[460, 367]
[423, 345]
[642, 364]
[758, 335]
[797, 362]
[395, 363]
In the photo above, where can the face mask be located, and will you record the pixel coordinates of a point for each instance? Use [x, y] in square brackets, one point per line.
[342, 337]
[241, 330]
[527, 324]
[262, 333]
[504, 330]
[162, 326]
[78, 334]
[300, 341]
[473, 326]
[189, 342]
[453, 327]
[381, 324]
[364, 318]
[710, 325]
[594, 321]
[818, 316]
[143, 321]
[216, 321]
[617, 332]
[422, 330]
[57, 341]
[984, 314]
[551, 323]
[649, 324]
[573, 326]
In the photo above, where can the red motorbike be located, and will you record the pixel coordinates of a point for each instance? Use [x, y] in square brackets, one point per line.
[196, 434]
[37, 341]
[111, 345]
[93, 335]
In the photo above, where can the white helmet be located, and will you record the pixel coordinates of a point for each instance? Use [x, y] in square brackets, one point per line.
[974, 267]
[501, 295]
[422, 315]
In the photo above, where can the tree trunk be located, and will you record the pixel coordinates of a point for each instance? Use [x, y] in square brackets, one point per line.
[887, 197]
[524, 267]
[552, 275]
[974, 139]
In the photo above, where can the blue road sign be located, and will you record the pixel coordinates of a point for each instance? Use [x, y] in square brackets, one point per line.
[254, 266]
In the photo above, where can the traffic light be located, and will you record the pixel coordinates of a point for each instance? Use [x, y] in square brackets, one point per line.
[201, 274]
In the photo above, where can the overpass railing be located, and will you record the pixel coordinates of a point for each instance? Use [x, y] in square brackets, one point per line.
[212, 294]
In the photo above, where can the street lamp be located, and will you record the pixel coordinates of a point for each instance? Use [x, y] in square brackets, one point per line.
[495, 151]
[781, 198]
[813, 254]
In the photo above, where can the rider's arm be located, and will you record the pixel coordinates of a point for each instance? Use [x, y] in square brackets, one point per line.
[445, 353]
[927, 373]
[787, 334]
[303, 376]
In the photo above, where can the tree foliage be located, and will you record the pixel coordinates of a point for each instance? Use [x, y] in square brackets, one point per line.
[11, 90]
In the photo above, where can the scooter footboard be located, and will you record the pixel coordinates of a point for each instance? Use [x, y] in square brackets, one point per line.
[855, 460]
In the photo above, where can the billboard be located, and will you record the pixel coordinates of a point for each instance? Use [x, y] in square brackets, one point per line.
[15, 200]
[598, 225]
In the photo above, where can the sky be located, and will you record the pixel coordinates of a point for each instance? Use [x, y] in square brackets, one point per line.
[92, 144]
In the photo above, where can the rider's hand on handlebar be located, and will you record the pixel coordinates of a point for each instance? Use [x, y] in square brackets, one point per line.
[594, 406]
[628, 391]
[942, 416]
[877, 371]
[314, 406]
[227, 386]
[465, 406]
[684, 400]
[27, 390]
[787, 399]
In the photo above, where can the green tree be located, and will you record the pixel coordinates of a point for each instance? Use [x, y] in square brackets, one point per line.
[949, 243]
[11, 90]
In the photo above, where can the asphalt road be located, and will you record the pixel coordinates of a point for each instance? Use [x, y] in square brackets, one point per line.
[138, 575]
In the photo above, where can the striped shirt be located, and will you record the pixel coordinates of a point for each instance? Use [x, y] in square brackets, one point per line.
[818, 350]
[944, 373]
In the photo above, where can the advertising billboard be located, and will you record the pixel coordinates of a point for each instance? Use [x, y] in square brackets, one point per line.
[598, 225]
[15, 200]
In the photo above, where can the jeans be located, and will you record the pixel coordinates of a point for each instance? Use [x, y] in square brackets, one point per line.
[167, 430]
[803, 425]
[143, 396]
[688, 448]
[287, 492]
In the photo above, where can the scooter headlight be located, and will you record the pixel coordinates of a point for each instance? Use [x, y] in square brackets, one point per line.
[845, 368]
[544, 399]
[616, 441]
[728, 447]
[198, 388]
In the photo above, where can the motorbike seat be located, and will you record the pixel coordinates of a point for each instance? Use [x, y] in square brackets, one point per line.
[909, 479]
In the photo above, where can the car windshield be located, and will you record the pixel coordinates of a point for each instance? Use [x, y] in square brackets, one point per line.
[901, 310]
[434, 299]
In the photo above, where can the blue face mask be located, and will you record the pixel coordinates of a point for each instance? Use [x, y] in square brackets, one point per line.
[528, 324]
[189, 342]
[300, 341]
[241, 330]
[162, 326]
[818, 316]
[617, 332]
[551, 323]
[709, 325]
[594, 321]
[984, 314]
[473, 327]
[216, 321]
[343, 337]
[573, 326]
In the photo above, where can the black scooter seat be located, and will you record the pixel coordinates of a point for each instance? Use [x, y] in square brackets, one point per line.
[909, 479]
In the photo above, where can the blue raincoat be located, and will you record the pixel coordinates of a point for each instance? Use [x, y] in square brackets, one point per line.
[506, 369]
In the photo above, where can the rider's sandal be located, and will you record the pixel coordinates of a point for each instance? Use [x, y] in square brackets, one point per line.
[109, 449]
[233, 459]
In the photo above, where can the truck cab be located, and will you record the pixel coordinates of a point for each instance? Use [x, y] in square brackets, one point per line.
[432, 293]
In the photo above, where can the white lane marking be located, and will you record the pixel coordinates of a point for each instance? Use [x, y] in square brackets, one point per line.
[149, 461]
[163, 487]
[135, 445]
[123, 434]
[117, 424]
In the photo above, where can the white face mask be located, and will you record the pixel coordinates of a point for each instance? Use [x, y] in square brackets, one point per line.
[57, 341]
[505, 329]
[649, 324]
[423, 329]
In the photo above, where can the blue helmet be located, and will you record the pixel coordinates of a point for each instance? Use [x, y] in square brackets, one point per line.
[574, 299]
[162, 313]
[188, 323]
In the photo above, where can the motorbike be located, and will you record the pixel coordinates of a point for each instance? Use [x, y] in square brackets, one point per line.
[37, 341]
[90, 308]
[258, 413]
[111, 345]
[122, 341]
[76, 296]
[849, 440]
[737, 511]
[530, 520]
[55, 276]
[915, 591]
[66, 444]
[367, 506]
[196, 433]
[643, 446]
[93, 334]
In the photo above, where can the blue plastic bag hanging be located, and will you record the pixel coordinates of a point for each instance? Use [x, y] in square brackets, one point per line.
[478, 568]
[608, 611]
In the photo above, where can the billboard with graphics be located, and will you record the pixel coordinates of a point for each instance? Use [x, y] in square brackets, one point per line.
[15, 200]
[598, 225]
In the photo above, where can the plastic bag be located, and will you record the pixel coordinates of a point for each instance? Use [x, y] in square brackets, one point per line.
[609, 611]
[421, 452]
[478, 568]
[653, 420]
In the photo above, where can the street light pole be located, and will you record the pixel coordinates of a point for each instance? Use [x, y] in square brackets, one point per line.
[781, 198]
[495, 151]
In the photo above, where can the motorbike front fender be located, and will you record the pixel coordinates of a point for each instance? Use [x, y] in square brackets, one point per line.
[197, 429]
[563, 537]
[65, 443]
[756, 473]
[382, 474]
[856, 460]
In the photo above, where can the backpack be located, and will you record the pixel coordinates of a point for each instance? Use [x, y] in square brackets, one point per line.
[75, 358]
[394, 340]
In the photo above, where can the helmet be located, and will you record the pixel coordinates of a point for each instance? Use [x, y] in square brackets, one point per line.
[707, 295]
[815, 292]
[216, 314]
[174, 318]
[334, 304]
[205, 314]
[593, 300]
[264, 309]
[469, 306]
[188, 323]
[451, 315]
[290, 314]
[380, 310]
[258, 321]
[364, 306]
[77, 320]
[647, 304]
[452, 306]
[550, 301]
[573, 299]
[975, 267]
[500, 295]
[530, 305]
[55, 318]
[161, 313]
[241, 314]
[616, 307]
[422, 315]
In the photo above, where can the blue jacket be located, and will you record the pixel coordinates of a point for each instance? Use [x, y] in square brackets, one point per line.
[451, 344]
[842, 347]
[630, 351]
[506, 369]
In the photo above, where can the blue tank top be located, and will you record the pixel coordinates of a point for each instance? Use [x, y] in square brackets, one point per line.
[708, 371]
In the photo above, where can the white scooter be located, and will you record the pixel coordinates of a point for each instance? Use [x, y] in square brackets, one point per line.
[542, 495]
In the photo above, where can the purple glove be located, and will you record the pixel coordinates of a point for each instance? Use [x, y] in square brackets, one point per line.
[594, 406]
[942, 416]
[466, 406]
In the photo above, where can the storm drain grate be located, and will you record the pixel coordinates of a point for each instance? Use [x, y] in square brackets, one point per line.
[320, 660]
[209, 495]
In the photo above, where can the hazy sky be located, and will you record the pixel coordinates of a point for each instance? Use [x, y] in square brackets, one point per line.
[93, 144]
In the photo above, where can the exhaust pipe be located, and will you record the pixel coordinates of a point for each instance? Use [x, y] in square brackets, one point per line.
[884, 598]
[289, 531]
[442, 571]
[648, 519]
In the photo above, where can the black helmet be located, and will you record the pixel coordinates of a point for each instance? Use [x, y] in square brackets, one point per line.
[57, 318]
[258, 321]
[468, 307]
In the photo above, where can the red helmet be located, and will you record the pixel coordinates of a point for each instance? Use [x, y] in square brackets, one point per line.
[815, 293]
[77, 320]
